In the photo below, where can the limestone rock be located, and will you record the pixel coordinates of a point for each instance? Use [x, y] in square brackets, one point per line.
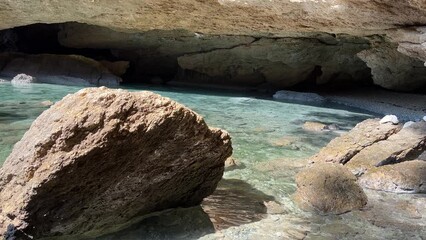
[328, 188]
[393, 70]
[405, 177]
[389, 119]
[23, 79]
[249, 17]
[364, 134]
[407, 144]
[58, 69]
[101, 159]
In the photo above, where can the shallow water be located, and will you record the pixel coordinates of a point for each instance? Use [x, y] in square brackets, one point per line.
[270, 146]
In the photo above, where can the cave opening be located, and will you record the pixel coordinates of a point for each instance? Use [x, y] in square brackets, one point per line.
[326, 63]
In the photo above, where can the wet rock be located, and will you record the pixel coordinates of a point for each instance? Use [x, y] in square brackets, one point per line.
[389, 119]
[298, 96]
[364, 134]
[314, 126]
[405, 145]
[58, 69]
[328, 188]
[100, 160]
[405, 177]
[23, 79]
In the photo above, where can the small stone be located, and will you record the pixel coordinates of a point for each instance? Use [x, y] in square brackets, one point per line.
[408, 124]
[47, 103]
[424, 118]
[230, 162]
[389, 118]
[333, 127]
[23, 79]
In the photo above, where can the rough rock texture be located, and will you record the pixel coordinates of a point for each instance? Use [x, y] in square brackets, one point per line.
[364, 134]
[224, 41]
[58, 69]
[405, 145]
[328, 188]
[101, 159]
[392, 69]
[405, 177]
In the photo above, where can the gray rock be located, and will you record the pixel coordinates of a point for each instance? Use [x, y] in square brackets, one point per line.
[23, 79]
[298, 96]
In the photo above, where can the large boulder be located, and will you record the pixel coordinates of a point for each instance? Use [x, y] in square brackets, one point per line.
[364, 134]
[58, 69]
[101, 159]
[328, 188]
[405, 177]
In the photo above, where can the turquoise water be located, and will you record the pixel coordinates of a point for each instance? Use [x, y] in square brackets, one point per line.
[270, 146]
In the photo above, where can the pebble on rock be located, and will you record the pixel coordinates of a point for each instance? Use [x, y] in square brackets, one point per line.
[389, 118]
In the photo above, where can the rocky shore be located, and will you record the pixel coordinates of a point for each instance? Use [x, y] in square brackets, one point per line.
[377, 155]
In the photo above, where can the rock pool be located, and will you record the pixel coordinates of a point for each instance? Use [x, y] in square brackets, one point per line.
[253, 200]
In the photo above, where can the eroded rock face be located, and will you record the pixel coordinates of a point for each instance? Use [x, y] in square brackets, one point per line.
[101, 159]
[328, 188]
[405, 177]
[250, 43]
[58, 69]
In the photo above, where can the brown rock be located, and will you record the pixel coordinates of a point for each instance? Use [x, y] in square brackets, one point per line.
[101, 159]
[405, 177]
[328, 188]
[364, 134]
[314, 126]
[58, 69]
[407, 144]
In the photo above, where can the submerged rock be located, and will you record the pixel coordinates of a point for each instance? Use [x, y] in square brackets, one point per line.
[389, 119]
[364, 134]
[58, 69]
[23, 79]
[405, 177]
[298, 96]
[328, 188]
[100, 160]
[315, 126]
